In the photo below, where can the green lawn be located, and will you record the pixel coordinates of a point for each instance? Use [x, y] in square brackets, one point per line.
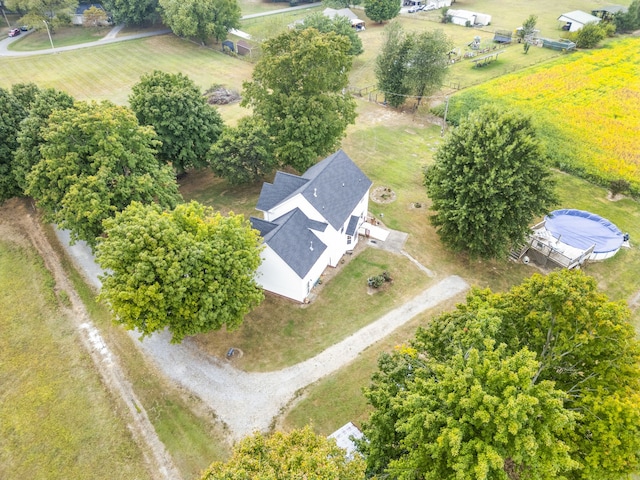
[110, 71]
[55, 415]
[39, 40]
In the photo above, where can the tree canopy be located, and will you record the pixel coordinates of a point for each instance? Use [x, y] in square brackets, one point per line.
[11, 114]
[490, 179]
[411, 64]
[297, 90]
[538, 382]
[54, 12]
[183, 120]
[300, 454]
[31, 129]
[381, 10]
[243, 154]
[201, 18]
[133, 12]
[339, 24]
[190, 270]
[96, 160]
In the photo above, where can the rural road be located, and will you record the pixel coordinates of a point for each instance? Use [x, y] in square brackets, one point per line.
[112, 36]
[249, 401]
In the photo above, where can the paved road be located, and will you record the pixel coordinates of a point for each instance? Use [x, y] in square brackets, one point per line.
[113, 37]
[250, 401]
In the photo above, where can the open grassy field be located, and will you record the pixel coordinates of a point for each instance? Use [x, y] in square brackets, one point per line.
[109, 71]
[587, 107]
[55, 415]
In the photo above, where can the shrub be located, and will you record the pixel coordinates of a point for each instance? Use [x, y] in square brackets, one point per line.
[589, 36]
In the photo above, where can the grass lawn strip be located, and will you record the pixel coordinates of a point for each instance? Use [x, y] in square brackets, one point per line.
[55, 415]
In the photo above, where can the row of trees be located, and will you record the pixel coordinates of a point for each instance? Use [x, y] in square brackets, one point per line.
[108, 173]
[540, 382]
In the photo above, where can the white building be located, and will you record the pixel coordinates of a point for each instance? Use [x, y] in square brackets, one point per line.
[467, 18]
[309, 222]
[574, 21]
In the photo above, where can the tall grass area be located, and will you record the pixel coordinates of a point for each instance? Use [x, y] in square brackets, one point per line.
[56, 419]
[587, 107]
[186, 427]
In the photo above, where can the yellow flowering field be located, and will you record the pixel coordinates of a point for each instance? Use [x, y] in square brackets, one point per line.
[587, 106]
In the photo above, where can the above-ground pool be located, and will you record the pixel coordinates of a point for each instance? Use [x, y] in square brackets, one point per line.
[581, 230]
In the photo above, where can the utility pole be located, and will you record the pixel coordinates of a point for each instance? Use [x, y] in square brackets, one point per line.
[446, 109]
[5, 14]
[49, 33]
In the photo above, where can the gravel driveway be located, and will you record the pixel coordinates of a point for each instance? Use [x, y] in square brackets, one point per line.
[250, 401]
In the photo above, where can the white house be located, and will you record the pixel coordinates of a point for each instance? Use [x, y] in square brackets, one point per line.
[309, 222]
[467, 18]
[574, 21]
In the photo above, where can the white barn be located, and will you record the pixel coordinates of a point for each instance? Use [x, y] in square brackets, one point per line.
[574, 21]
[467, 18]
[309, 222]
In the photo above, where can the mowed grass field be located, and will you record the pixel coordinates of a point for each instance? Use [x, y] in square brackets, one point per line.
[56, 419]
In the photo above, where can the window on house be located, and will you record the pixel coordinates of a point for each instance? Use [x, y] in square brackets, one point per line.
[348, 239]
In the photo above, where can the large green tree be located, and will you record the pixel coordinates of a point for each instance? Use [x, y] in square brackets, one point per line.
[31, 130]
[201, 19]
[490, 179]
[300, 454]
[381, 10]
[552, 365]
[411, 64]
[54, 12]
[243, 154]
[133, 12]
[630, 20]
[427, 62]
[297, 90]
[391, 65]
[96, 160]
[190, 270]
[338, 24]
[183, 120]
[11, 114]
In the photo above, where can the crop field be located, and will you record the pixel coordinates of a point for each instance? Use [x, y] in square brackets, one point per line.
[587, 107]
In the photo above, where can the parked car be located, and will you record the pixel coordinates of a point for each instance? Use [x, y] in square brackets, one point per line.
[414, 9]
[24, 28]
[14, 32]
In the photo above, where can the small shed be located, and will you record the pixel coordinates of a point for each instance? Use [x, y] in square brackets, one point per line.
[344, 438]
[562, 44]
[502, 36]
[244, 48]
[345, 12]
[574, 21]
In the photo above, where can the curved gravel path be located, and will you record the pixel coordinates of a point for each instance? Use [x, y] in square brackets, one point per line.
[250, 401]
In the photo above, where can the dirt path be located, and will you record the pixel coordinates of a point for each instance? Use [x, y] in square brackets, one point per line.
[17, 221]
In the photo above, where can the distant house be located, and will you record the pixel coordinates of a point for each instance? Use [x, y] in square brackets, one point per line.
[78, 16]
[309, 222]
[467, 18]
[574, 21]
[345, 12]
[345, 437]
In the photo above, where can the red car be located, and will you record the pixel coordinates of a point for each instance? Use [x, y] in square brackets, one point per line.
[14, 32]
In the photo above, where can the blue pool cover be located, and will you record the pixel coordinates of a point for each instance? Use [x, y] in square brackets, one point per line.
[582, 229]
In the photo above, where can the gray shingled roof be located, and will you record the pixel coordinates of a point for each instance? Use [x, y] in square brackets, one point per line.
[291, 237]
[333, 186]
[284, 184]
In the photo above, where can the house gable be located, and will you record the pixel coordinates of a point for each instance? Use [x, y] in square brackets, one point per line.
[291, 237]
